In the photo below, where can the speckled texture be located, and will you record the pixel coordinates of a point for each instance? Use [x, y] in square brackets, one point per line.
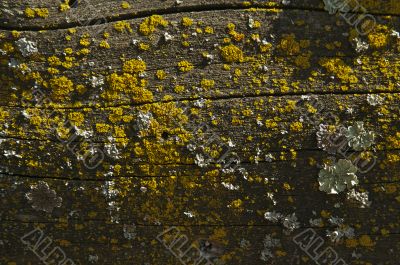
[163, 97]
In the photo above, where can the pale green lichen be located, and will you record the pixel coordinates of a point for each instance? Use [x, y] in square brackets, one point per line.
[358, 138]
[335, 178]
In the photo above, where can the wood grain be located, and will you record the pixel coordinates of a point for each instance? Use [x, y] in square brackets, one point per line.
[156, 87]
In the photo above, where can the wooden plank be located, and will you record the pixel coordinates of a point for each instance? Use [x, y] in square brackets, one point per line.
[320, 45]
[209, 198]
[126, 85]
[247, 116]
[240, 245]
[55, 14]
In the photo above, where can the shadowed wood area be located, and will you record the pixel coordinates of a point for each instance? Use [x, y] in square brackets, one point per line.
[199, 132]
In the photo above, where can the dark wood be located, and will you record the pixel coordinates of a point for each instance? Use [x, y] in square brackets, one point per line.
[266, 105]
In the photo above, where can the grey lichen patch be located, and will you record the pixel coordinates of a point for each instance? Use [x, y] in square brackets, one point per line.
[288, 221]
[341, 231]
[43, 198]
[26, 47]
[335, 178]
[270, 244]
[359, 138]
[360, 197]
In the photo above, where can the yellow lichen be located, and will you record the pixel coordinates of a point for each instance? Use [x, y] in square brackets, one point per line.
[289, 45]
[52, 71]
[187, 22]
[125, 5]
[209, 30]
[340, 69]
[84, 41]
[122, 26]
[379, 37]
[232, 53]
[161, 75]
[54, 60]
[29, 12]
[366, 241]
[150, 24]
[144, 46]
[185, 66]
[42, 12]
[134, 66]
[127, 84]
[207, 84]
[64, 6]
[179, 88]
[61, 87]
[104, 44]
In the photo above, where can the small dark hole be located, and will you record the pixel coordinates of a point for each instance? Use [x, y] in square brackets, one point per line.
[165, 135]
[73, 3]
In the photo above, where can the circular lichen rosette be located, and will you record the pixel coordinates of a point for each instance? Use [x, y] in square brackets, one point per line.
[359, 138]
[336, 178]
[43, 198]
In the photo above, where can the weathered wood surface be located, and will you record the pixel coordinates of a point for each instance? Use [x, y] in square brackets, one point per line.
[57, 14]
[264, 98]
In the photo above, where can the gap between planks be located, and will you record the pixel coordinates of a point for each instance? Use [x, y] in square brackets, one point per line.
[177, 10]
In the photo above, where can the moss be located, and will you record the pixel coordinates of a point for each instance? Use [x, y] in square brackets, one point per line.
[185, 66]
[149, 25]
[232, 54]
[61, 87]
[134, 66]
